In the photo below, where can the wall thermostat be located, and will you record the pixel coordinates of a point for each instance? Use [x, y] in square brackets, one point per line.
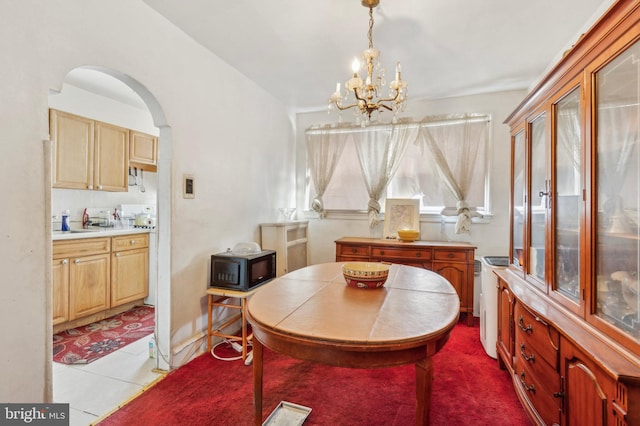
[188, 188]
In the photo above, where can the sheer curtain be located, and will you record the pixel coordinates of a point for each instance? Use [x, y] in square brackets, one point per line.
[455, 147]
[324, 149]
[379, 153]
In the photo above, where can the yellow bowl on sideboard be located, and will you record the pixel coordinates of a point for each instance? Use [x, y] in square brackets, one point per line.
[408, 234]
[365, 274]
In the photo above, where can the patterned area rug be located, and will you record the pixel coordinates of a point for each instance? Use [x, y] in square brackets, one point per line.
[85, 344]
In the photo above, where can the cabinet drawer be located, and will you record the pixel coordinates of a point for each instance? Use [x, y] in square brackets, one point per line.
[537, 336]
[129, 242]
[398, 253]
[542, 399]
[82, 247]
[352, 251]
[529, 358]
[454, 255]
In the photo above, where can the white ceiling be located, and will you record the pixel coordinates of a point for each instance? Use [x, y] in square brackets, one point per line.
[299, 49]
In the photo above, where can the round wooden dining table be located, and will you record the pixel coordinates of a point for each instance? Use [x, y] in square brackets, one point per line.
[311, 314]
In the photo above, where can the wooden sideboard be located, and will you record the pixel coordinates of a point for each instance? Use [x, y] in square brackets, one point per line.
[452, 260]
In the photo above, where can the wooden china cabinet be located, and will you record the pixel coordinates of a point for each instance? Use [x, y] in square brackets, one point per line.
[569, 303]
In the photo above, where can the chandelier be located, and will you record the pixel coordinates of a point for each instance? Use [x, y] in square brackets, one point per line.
[367, 93]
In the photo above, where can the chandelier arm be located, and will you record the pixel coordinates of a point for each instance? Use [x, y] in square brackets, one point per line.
[342, 108]
[390, 99]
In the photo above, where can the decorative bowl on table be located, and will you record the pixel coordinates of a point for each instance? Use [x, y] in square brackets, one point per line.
[365, 274]
[408, 235]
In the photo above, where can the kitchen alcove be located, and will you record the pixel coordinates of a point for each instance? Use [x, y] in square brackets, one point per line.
[116, 98]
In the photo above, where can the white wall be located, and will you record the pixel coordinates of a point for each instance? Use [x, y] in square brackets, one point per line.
[233, 137]
[491, 238]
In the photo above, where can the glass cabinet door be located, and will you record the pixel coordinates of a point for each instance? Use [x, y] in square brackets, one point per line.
[617, 191]
[539, 197]
[517, 215]
[567, 195]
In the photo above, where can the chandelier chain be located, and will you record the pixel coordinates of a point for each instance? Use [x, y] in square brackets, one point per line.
[370, 33]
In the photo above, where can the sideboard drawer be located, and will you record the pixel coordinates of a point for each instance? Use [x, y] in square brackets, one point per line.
[453, 255]
[537, 336]
[400, 253]
[353, 251]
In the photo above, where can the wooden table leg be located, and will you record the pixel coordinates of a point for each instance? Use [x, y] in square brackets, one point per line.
[257, 382]
[209, 321]
[245, 337]
[424, 385]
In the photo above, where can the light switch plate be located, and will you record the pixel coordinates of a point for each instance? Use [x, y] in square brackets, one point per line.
[188, 186]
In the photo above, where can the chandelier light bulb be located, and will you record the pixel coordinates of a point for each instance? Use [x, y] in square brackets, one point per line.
[355, 66]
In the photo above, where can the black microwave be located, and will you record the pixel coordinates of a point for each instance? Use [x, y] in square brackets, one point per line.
[243, 272]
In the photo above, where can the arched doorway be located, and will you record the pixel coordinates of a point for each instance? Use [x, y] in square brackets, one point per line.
[163, 200]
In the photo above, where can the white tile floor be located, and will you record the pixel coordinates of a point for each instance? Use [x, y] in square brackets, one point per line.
[95, 389]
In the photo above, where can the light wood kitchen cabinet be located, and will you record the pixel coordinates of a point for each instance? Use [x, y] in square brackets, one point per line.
[88, 285]
[88, 154]
[84, 263]
[60, 290]
[129, 268]
[94, 278]
[111, 158]
[289, 240]
[143, 151]
[454, 261]
[575, 232]
[72, 150]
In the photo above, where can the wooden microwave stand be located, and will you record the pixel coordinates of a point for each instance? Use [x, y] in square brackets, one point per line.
[452, 260]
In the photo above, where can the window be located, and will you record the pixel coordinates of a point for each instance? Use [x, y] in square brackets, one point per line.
[454, 146]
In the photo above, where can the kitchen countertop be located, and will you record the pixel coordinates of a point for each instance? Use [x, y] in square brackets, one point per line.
[96, 233]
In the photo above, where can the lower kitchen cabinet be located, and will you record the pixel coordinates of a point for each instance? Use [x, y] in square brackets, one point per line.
[129, 269]
[60, 289]
[93, 278]
[454, 261]
[88, 285]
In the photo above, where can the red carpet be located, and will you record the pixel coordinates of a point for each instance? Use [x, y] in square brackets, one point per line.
[83, 345]
[469, 389]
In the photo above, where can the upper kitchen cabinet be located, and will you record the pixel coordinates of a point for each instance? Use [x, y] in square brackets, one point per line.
[111, 158]
[73, 150]
[143, 151]
[88, 154]
[575, 236]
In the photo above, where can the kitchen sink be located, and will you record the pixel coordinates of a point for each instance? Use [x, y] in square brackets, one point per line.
[76, 231]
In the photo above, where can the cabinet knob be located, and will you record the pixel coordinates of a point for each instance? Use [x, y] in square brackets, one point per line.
[76, 261]
[89, 186]
[418, 254]
[450, 255]
[132, 242]
[99, 186]
[117, 254]
[354, 250]
[65, 261]
[382, 252]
